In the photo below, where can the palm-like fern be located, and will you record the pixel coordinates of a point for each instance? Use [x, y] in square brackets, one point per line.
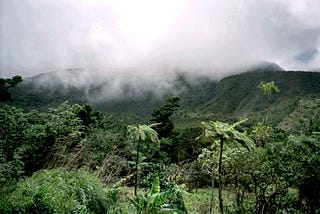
[141, 133]
[225, 132]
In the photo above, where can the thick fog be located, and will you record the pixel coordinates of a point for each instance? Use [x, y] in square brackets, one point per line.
[151, 38]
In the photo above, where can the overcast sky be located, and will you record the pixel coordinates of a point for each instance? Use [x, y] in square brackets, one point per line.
[135, 37]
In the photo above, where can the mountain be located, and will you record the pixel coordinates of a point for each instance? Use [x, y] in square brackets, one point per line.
[232, 98]
[238, 96]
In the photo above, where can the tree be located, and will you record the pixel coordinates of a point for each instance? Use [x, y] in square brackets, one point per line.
[157, 200]
[27, 138]
[300, 165]
[162, 116]
[225, 133]
[268, 88]
[208, 160]
[139, 134]
[261, 179]
[90, 118]
[5, 85]
[262, 134]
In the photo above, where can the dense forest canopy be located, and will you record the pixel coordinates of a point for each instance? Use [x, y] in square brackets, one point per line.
[159, 106]
[196, 149]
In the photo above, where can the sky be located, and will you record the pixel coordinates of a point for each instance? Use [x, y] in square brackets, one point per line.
[154, 37]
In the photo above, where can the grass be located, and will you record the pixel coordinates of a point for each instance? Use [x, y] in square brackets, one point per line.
[199, 201]
[59, 191]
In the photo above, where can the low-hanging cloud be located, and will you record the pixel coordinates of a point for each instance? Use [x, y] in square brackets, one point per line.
[149, 38]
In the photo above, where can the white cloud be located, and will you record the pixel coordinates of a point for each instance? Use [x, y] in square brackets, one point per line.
[149, 37]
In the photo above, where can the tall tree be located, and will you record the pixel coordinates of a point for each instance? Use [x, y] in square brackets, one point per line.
[208, 160]
[139, 134]
[90, 118]
[268, 88]
[162, 116]
[5, 85]
[224, 132]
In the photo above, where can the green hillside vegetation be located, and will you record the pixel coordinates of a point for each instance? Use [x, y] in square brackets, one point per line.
[214, 147]
[229, 99]
[238, 96]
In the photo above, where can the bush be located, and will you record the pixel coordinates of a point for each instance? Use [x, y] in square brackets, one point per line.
[27, 138]
[156, 200]
[59, 191]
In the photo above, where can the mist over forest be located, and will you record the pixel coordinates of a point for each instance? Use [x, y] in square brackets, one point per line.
[146, 38]
[147, 106]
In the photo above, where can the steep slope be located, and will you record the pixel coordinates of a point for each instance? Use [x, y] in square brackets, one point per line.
[231, 98]
[243, 95]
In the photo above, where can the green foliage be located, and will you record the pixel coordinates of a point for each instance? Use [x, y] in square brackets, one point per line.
[157, 201]
[304, 118]
[224, 132]
[262, 134]
[162, 115]
[284, 176]
[35, 140]
[186, 146]
[281, 175]
[268, 88]
[139, 134]
[13, 124]
[199, 201]
[59, 191]
[100, 150]
[5, 85]
[260, 178]
[228, 100]
[196, 175]
[30, 141]
[89, 117]
[26, 138]
[143, 133]
[300, 167]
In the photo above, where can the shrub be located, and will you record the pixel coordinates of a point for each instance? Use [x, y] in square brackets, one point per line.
[157, 201]
[59, 191]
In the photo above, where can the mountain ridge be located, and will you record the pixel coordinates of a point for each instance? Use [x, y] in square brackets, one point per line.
[233, 97]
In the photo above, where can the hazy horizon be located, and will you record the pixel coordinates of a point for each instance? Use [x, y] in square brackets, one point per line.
[122, 38]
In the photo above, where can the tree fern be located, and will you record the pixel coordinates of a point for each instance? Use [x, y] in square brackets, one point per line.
[141, 133]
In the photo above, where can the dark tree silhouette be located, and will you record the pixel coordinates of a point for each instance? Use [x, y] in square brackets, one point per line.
[162, 115]
[5, 85]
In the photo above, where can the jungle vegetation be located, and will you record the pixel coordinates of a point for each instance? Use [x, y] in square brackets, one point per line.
[215, 157]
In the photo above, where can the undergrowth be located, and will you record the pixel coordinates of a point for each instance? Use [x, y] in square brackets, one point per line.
[60, 191]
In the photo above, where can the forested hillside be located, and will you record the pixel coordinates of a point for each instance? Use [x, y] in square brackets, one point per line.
[248, 143]
[232, 98]
[159, 107]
